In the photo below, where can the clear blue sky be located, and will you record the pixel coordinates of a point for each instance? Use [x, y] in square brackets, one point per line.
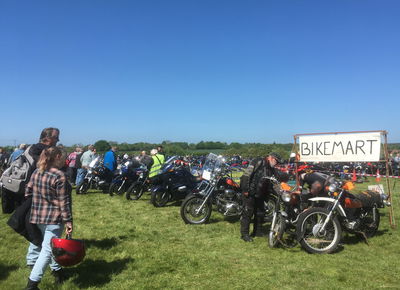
[192, 70]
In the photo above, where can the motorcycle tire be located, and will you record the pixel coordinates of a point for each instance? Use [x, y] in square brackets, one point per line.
[135, 191]
[84, 187]
[189, 207]
[159, 198]
[269, 208]
[308, 234]
[371, 225]
[276, 231]
[116, 189]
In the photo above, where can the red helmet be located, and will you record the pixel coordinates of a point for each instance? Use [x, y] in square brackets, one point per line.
[68, 252]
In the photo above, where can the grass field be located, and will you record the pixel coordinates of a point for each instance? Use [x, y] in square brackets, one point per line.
[133, 245]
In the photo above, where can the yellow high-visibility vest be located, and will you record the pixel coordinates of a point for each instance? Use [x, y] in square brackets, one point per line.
[159, 160]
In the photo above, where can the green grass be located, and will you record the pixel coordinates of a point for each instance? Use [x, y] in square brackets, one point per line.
[133, 245]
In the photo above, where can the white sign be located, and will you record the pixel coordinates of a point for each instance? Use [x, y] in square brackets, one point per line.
[354, 147]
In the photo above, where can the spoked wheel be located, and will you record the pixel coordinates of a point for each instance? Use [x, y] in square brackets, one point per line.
[159, 198]
[269, 208]
[312, 238]
[191, 212]
[370, 222]
[116, 189]
[276, 231]
[84, 187]
[135, 191]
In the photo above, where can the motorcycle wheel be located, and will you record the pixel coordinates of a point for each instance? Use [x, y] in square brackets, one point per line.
[84, 187]
[371, 225]
[276, 231]
[159, 198]
[135, 191]
[116, 189]
[269, 208]
[308, 231]
[189, 209]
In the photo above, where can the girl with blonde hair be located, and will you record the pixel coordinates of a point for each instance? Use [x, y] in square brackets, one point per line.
[51, 210]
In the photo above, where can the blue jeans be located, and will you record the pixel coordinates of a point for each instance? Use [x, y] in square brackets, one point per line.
[42, 255]
[80, 176]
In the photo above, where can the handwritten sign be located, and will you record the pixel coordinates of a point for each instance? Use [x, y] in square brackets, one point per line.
[354, 147]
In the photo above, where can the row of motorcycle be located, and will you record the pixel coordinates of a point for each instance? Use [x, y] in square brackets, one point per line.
[316, 222]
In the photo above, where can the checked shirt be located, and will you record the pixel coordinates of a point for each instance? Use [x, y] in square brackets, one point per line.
[51, 197]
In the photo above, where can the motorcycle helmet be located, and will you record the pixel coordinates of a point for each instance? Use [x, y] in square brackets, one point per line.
[67, 252]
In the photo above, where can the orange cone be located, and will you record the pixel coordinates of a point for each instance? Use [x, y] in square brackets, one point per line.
[354, 176]
[378, 176]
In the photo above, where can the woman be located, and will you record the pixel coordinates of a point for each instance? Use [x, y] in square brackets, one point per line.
[51, 210]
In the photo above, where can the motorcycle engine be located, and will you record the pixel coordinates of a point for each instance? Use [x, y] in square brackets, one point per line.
[228, 203]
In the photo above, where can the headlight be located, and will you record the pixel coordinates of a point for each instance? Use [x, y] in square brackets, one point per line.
[286, 196]
[332, 187]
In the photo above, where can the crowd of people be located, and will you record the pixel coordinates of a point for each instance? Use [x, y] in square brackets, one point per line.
[53, 173]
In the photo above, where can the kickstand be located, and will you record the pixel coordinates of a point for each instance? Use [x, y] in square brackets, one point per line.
[364, 236]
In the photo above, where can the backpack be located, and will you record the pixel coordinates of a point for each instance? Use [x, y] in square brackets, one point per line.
[16, 176]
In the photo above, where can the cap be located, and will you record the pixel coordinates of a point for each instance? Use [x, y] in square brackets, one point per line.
[276, 156]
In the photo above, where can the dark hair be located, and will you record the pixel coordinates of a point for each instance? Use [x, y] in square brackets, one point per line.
[47, 133]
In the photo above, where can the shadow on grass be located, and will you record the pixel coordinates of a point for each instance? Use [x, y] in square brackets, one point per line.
[104, 244]
[352, 239]
[5, 270]
[97, 273]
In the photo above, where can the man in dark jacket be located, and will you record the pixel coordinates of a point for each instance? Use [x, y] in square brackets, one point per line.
[48, 137]
[255, 188]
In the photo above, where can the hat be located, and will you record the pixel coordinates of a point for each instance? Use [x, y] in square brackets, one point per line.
[276, 156]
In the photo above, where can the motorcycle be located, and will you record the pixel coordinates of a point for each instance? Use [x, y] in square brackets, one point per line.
[140, 186]
[124, 177]
[94, 178]
[217, 188]
[173, 183]
[289, 203]
[319, 228]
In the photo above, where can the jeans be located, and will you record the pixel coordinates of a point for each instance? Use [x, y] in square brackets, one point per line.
[42, 255]
[80, 176]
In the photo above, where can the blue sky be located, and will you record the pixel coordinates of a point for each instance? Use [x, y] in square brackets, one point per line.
[191, 70]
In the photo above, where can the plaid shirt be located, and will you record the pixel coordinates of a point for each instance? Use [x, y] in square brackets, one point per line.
[51, 202]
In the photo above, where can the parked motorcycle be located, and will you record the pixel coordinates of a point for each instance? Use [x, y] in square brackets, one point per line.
[319, 228]
[94, 178]
[140, 186]
[173, 183]
[124, 176]
[217, 188]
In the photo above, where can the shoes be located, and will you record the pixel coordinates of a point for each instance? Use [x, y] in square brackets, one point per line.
[258, 234]
[59, 276]
[32, 285]
[246, 238]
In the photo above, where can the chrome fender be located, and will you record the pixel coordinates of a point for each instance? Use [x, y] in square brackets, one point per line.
[331, 200]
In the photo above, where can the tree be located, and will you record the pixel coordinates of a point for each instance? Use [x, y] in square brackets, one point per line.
[102, 145]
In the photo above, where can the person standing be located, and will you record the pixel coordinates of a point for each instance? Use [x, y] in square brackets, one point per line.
[255, 188]
[87, 157]
[73, 163]
[17, 152]
[48, 137]
[51, 210]
[110, 163]
[158, 161]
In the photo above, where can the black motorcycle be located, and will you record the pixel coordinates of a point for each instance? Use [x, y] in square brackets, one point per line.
[124, 177]
[141, 185]
[216, 188]
[95, 177]
[173, 183]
